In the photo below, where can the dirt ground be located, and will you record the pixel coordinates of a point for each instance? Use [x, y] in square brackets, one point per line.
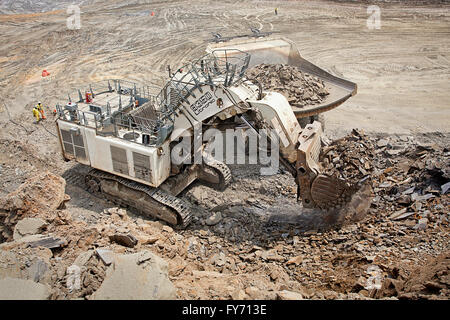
[402, 72]
[401, 69]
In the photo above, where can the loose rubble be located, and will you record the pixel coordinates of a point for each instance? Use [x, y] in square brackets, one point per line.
[259, 245]
[289, 295]
[127, 240]
[430, 281]
[350, 158]
[299, 88]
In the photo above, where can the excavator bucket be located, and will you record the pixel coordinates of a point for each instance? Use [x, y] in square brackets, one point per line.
[344, 201]
[315, 189]
[278, 50]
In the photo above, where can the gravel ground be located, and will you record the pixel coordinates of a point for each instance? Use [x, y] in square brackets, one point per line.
[252, 241]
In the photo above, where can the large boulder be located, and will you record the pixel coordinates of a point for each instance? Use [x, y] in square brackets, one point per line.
[28, 226]
[44, 191]
[39, 196]
[289, 295]
[26, 263]
[20, 289]
[139, 276]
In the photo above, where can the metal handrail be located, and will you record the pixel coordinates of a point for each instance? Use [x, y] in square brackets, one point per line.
[210, 70]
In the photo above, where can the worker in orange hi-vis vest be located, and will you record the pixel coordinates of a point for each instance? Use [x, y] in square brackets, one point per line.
[40, 108]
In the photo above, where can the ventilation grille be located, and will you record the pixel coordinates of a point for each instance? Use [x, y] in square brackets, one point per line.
[119, 160]
[67, 141]
[142, 166]
[73, 144]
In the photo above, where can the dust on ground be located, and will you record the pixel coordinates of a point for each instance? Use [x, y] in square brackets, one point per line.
[248, 242]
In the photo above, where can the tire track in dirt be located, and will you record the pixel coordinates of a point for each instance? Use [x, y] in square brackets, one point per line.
[120, 42]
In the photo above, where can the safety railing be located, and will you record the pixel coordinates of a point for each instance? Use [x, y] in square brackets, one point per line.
[221, 67]
[154, 114]
[139, 127]
[121, 87]
[84, 118]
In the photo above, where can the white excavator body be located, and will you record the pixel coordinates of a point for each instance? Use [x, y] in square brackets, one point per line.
[128, 134]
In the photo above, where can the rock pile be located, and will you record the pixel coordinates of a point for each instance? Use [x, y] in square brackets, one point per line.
[349, 158]
[260, 232]
[430, 281]
[299, 88]
[411, 181]
[253, 240]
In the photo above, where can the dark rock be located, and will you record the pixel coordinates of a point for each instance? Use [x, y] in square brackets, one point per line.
[127, 240]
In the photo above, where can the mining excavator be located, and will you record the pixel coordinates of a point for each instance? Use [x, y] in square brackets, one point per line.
[128, 133]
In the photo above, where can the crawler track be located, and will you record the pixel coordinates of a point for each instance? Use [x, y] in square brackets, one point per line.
[149, 201]
[222, 170]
